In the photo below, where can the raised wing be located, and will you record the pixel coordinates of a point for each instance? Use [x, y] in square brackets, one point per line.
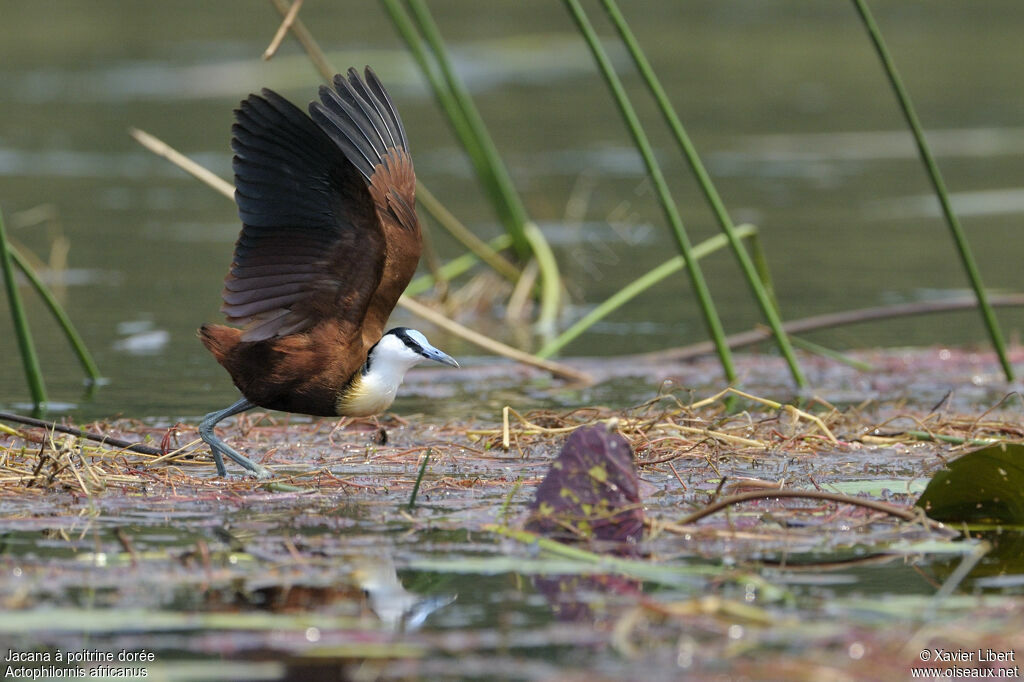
[360, 118]
[327, 207]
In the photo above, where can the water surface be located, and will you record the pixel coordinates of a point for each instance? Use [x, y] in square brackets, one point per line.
[799, 130]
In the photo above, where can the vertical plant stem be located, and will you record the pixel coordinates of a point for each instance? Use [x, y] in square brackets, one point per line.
[549, 295]
[764, 272]
[445, 99]
[472, 132]
[700, 288]
[495, 168]
[29, 359]
[768, 309]
[419, 479]
[932, 168]
[453, 111]
[84, 357]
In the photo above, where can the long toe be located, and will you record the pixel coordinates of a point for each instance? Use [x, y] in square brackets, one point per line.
[259, 472]
[251, 468]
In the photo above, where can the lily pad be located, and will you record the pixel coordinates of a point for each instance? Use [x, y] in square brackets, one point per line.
[983, 486]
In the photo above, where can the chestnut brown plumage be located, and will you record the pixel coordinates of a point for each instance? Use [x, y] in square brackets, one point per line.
[330, 240]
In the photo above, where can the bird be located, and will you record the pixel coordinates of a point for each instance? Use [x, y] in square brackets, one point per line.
[329, 241]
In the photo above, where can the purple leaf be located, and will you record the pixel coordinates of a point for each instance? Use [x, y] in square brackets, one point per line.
[591, 490]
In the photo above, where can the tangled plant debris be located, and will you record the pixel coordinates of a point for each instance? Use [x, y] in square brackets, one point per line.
[744, 506]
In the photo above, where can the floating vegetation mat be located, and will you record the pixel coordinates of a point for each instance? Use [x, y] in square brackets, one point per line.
[398, 549]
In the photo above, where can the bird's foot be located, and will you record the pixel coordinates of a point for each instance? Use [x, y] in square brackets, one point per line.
[220, 449]
[257, 471]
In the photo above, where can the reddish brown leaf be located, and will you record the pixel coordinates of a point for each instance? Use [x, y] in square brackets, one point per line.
[591, 490]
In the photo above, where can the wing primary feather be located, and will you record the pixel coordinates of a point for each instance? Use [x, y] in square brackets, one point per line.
[356, 89]
[344, 103]
[357, 111]
[359, 116]
[297, 269]
[346, 112]
[270, 119]
[260, 328]
[246, 310]
[342, 133]
[264, 293]
[381, 95]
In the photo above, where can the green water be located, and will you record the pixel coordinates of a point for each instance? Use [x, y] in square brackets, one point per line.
[784, 99]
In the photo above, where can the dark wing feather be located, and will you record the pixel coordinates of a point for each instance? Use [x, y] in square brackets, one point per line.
[330, 228]
[361, 120]
[311, 246]
[335, 117]
[387, 110]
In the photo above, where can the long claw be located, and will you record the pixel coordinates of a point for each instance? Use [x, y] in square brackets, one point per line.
[252, 468]
[219, 448]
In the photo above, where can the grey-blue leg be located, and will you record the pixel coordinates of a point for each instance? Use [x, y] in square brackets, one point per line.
[219, 447]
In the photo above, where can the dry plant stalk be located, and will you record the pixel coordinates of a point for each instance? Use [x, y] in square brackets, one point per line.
[282, 30]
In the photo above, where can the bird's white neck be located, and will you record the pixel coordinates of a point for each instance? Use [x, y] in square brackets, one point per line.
[371, 392]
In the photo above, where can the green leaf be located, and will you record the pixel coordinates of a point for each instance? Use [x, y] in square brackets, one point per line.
[986, 485]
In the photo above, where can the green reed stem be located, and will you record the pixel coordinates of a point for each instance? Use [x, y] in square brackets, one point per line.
[635, 288]
[494, 165]
[955, 440]
[456, 266]
[472, 131]
[84, 357]
[503, 512]
[29, 359]
[444, 97]
[764, 300]
[932, 168]
[452, 99]
[700, 288]
[832, 354]
[549, 295]
[419, 479]
[456, 229]
[764, 272]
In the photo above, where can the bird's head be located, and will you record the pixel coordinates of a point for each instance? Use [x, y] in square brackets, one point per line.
[401, 348]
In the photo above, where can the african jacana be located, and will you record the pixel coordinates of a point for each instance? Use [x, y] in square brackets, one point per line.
[329, 241]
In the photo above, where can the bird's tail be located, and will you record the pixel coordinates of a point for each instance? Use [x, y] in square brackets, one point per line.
[219, 339]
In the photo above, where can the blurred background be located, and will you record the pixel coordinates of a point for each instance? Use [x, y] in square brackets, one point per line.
[785, 100]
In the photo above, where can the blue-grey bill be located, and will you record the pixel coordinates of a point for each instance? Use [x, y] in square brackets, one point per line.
[434, 354]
